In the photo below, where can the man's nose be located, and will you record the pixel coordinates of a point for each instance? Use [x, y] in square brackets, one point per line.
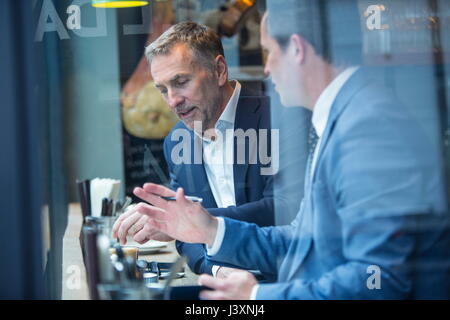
[174, 99]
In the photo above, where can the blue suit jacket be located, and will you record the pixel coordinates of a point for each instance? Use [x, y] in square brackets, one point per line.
[374, 219]
[253, 191]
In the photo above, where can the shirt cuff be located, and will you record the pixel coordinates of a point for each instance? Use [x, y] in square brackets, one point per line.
[254, 292]
[218, 239]
[214, 270]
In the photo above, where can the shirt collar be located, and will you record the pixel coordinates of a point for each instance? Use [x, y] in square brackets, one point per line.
[326, 99]
[228, 115]
[229, 112]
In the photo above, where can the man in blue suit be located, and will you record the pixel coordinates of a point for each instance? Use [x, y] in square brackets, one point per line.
[253, 191]
[373, 223]
[233, 174]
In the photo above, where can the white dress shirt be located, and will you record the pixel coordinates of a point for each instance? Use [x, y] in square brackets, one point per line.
[320, 116]
[218, 156]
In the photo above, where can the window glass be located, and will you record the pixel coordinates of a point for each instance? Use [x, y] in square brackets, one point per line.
[104, 118]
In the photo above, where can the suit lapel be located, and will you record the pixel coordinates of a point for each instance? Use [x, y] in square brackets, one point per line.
[299, 250]
[353, 85]
[301, 244]
[246, 118]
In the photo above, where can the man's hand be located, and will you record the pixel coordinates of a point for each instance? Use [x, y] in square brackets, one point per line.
[150, 233]
[237, 286]
[182, 219]
[224, 272]
[135, 224]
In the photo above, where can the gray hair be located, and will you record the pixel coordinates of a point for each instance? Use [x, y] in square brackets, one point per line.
[204, 43]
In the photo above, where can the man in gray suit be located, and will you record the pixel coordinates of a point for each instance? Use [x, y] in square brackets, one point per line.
[374, 219]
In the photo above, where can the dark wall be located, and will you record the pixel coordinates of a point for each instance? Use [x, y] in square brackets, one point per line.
[21, 272]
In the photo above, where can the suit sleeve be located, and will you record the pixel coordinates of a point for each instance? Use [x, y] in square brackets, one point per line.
[250, 247]
[260, 212]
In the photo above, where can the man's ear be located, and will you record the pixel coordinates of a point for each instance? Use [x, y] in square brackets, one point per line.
[298, 46]
[221, 70]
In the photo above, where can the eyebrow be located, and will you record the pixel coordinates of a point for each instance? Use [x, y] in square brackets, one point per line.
[177, 77]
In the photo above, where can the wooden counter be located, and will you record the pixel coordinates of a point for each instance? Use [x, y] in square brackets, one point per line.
[74, 284]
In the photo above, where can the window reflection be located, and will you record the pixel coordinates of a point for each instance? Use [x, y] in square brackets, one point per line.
[105, 118]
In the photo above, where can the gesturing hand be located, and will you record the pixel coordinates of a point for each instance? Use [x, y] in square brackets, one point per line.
[182, 219]
[237, 286]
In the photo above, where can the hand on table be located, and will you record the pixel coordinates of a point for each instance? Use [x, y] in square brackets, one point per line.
[135, 224]
[237, 286]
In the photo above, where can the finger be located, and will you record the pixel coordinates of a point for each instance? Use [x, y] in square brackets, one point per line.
[211, 282]
[181, 199]
[142, 236]
[118, 223]
[153, 212]
[126, 225]
[154, 199]
[222, 273]
[158, 190]
[138, 226]
[120, 219]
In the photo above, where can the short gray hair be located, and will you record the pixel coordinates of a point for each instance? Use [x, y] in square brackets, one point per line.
[202, 40]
